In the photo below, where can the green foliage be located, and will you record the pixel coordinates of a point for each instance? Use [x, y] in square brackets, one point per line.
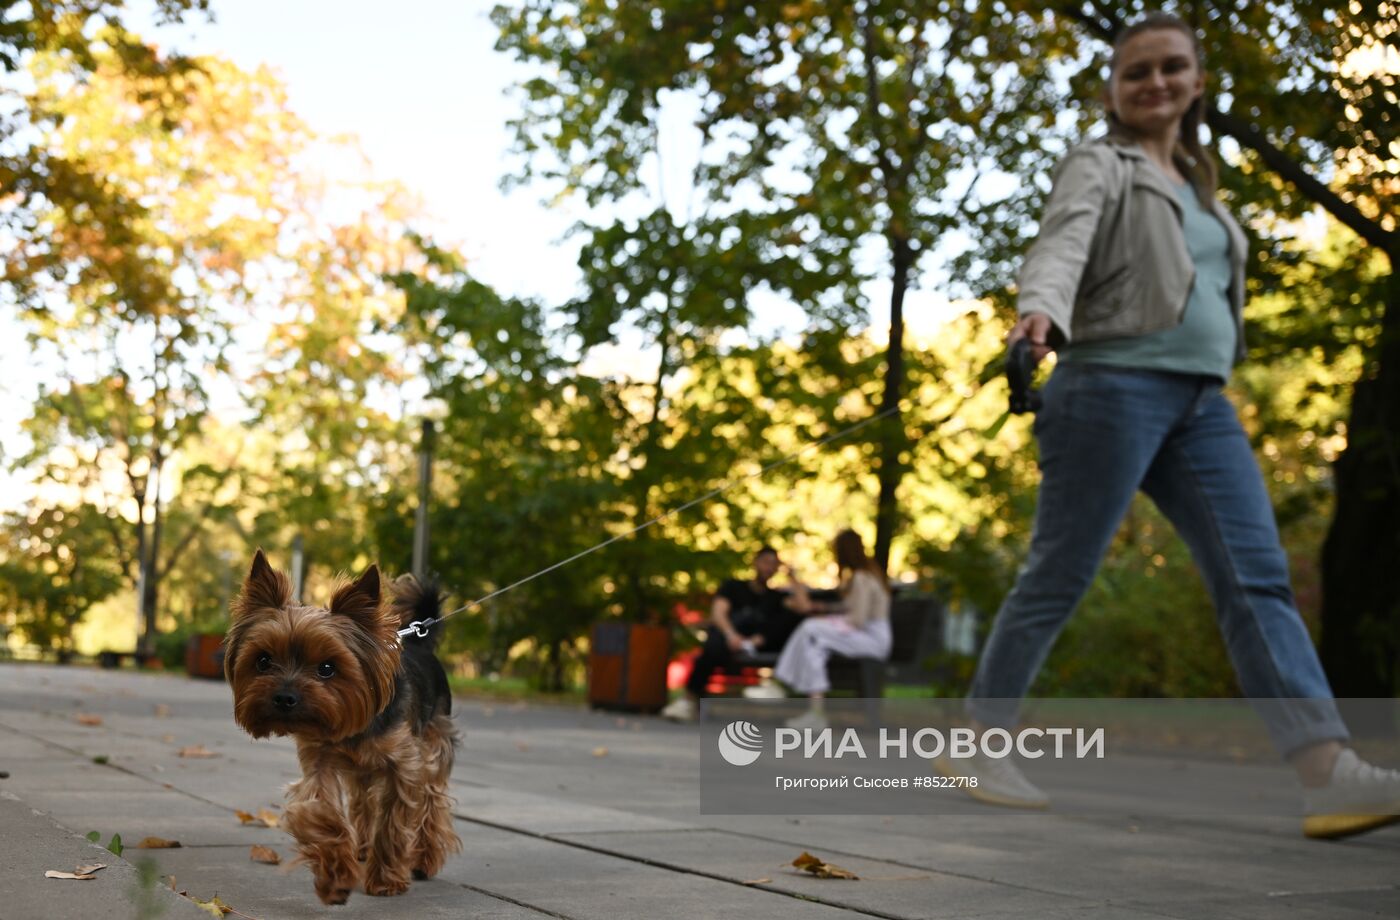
[836, 148]
[55, 563]
[114, 846]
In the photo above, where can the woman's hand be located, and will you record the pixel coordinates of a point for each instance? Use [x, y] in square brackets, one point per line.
[1036, 327]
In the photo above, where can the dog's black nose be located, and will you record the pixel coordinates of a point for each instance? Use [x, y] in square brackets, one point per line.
[285, 700]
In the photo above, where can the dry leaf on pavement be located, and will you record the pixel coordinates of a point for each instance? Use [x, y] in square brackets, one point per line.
[757, 881]
[213, 907]
[197, 750]
[261, 854]
[269, 817]
[162, 711]
[600, 751]
[80, 874]
[158, 843]
[87, 718]
[244, 817]
[809, 863]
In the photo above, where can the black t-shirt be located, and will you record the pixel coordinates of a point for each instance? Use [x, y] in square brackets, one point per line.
[750, 609]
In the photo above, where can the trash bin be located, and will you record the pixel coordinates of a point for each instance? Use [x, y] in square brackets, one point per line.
[627, 666]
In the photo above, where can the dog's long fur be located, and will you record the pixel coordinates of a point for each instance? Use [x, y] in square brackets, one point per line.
[372, 720]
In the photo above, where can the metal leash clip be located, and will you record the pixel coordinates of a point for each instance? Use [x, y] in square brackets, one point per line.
[418, 628]
[1020, 368]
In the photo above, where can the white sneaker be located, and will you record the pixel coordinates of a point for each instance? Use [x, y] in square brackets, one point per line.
[1360, 797]
[811, 719]
[768, 690]
[998, 781]
[681, 709]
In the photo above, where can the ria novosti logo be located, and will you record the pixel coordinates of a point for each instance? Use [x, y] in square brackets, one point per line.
[740, 743]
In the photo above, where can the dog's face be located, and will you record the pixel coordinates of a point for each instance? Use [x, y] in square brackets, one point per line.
[322, 673]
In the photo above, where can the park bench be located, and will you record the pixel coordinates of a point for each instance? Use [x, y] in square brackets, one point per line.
[110, 658]
[915, 624]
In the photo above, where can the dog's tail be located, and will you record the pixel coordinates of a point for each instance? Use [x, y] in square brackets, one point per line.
[417, 600]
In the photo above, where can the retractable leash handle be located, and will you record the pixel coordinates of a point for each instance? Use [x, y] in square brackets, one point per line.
[1020, 368]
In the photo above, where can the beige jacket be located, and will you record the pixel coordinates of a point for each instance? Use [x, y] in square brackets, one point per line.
[1111, 260]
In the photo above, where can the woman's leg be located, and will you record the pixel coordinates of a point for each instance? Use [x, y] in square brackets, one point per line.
[802, 665]
[1207, 482]
[1098, 432]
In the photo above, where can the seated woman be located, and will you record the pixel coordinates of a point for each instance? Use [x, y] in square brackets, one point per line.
[857, 626]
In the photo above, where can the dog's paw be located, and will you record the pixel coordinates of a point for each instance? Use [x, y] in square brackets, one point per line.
[386, 887]
[331, 892]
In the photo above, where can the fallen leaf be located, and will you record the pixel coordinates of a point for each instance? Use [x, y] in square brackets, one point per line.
[809, 863]
[269, 817]
[158, 843]
[197, 751]
[600, 751]
[244, 817]
[73, 876]
[757, 881]
[87, 718]
[262, 854]
[162, 711]
[89, 870]
[213, 907]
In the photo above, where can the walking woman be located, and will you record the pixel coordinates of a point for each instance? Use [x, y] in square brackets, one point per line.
[1137, 281]
[857, 626]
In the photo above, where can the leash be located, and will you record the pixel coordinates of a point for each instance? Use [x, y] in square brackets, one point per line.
[1019, 371]
[419, 628]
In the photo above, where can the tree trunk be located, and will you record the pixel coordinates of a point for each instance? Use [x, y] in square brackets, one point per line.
[552, 676]
[892, 436]
[1360, 645]
[150, 572]
[651, 441]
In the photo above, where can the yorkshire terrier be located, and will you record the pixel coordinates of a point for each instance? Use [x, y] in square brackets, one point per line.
[372, 720]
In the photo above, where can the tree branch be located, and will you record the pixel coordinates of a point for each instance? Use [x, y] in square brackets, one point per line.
[1287, 167]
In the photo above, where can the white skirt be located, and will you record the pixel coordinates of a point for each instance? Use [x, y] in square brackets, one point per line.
[802, 665]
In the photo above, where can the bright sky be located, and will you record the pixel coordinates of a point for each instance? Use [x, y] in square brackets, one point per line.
[418, 83]
[422, 89]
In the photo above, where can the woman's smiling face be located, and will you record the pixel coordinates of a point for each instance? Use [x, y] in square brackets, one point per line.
[1154, 81]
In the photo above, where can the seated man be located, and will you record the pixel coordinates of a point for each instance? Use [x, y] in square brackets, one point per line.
[745, 616]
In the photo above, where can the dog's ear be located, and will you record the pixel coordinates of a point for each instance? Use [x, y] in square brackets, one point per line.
[264, 589]
[360, 600]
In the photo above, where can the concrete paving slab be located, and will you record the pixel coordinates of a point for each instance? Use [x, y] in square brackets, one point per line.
[582, 814]
[33, 844]
[883, 887]
[581, 883]
[268, 892]
[543, 815]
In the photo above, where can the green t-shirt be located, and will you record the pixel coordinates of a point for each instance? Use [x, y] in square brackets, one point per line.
[1204, 343]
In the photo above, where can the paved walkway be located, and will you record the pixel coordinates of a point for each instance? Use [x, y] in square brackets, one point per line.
[575, 814]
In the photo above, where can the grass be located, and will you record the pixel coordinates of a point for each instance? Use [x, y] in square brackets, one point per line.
[512, 688]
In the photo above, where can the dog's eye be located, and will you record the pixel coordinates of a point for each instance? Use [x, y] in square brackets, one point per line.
[264, 663]
[327, 669]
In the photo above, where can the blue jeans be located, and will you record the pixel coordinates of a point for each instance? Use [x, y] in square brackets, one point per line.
[1104, 433]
